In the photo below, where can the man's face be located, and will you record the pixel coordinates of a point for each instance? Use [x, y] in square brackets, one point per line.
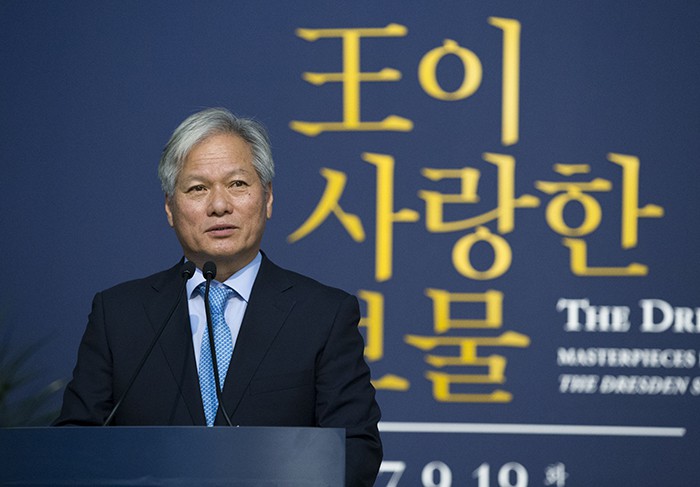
[219, 206]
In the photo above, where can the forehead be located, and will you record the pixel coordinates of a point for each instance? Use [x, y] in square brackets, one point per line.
[221, 149]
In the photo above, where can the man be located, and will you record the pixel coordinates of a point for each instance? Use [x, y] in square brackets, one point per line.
[297, 353]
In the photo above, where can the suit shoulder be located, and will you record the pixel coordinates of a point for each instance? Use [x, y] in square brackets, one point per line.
[307, 284]
[137, 286]
[303, 280]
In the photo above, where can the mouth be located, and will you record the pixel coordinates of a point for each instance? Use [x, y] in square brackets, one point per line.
[222, 230]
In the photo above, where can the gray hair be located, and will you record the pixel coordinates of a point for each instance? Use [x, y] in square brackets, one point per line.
[202, 125]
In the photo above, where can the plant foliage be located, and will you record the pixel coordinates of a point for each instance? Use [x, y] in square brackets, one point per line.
[20, 403]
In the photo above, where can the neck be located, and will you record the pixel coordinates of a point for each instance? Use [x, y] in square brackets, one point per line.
[225, 268]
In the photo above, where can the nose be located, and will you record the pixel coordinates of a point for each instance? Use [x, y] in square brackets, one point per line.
[219, 202]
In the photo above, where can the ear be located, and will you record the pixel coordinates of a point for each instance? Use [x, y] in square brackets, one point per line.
[269, 198]
[168, 210]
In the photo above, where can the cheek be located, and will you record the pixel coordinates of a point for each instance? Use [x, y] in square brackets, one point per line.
[183, 218]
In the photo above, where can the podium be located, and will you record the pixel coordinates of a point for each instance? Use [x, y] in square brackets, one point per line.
[173, 456]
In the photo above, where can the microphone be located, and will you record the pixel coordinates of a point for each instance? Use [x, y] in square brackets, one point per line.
[186, 272]
[209, 271]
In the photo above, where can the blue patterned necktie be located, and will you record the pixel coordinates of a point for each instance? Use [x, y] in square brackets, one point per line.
[223, 344]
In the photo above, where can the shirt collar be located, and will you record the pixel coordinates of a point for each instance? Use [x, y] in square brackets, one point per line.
[241, 282]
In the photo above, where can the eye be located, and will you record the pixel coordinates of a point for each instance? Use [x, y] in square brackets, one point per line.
[239, 183]
[196, 188]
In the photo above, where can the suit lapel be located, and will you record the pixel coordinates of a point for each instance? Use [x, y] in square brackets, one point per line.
[176, 341]
[265, 314]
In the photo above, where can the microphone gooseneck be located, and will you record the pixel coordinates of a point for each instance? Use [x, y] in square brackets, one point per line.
[186, 272]
[209, 271]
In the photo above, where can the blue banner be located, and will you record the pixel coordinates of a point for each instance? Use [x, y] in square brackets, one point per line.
[508, 188]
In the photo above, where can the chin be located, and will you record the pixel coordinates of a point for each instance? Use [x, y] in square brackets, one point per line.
[232, 254]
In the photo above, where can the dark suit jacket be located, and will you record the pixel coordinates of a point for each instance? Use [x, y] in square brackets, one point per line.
[298, 361]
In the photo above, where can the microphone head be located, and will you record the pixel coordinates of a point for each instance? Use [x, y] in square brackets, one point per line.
[187, 270]
[209, 270]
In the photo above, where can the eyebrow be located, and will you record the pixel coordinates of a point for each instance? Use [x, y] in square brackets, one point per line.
[192, 176]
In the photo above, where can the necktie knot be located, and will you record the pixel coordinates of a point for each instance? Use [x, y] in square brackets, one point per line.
[218, 297]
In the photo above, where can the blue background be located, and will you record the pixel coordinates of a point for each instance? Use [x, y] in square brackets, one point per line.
[91, 91]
